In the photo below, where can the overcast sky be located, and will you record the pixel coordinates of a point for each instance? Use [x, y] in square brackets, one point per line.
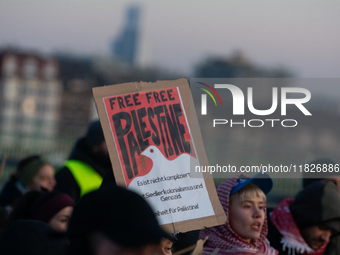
[301, 35]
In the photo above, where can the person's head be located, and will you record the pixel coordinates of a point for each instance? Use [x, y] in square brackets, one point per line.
[100, 244]
[247, 208]
[34, 173]
[322, 170]
[59, 222]
[244, 203]
[117, 220]
[316, 212]
[53, 208]
[317, 235]
[95, 137]
[244, 200]
[96, 143]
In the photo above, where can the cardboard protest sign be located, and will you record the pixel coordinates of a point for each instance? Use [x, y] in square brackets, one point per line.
[152, 149]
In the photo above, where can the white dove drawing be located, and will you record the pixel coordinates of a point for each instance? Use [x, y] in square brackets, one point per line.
[161, 165]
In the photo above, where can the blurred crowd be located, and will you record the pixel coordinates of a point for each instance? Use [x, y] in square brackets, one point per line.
[77, 208]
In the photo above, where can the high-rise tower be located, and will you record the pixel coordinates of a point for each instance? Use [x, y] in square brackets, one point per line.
[125, 46]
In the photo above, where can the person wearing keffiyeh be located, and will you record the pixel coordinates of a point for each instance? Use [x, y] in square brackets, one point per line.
[244, 202]
[333, 247]
[305, 224]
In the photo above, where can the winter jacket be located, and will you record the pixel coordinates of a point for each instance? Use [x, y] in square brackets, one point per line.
[67, 182]
[12, 190]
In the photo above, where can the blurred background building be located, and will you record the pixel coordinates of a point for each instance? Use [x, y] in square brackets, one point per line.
[46, 98]
[31, 96]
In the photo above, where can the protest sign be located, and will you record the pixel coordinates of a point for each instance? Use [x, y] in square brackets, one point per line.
[152, 149]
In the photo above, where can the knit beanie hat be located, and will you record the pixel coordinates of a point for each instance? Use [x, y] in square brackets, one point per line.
[94, 135]
[317, 175]
[316, 204]
[49, 204]
[28, 171]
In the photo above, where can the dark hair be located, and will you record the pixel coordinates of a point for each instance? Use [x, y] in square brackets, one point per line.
[94, 134]
[22, 164]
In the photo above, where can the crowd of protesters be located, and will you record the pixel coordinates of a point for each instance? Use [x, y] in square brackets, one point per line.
[77, 208]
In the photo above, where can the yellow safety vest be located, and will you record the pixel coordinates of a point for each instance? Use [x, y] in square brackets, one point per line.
[87, 178]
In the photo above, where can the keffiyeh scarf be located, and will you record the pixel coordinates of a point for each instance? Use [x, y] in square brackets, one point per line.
[292, 238]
